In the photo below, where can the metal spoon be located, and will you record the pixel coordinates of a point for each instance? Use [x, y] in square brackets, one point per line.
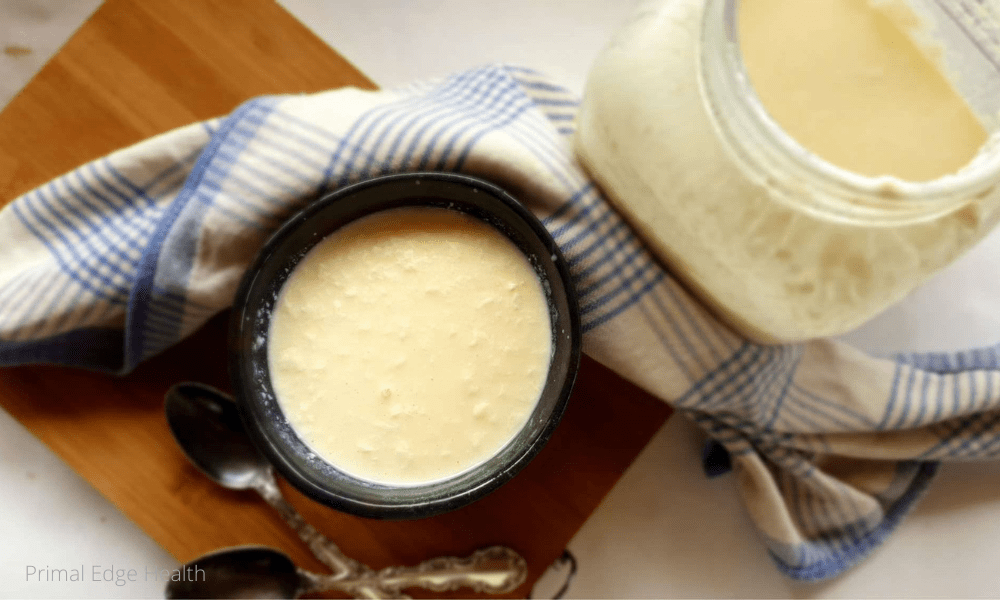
[250, 572]
[207, 427]
[259, 572]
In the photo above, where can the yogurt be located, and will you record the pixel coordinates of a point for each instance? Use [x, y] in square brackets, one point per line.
[410, 345]
[848, 81]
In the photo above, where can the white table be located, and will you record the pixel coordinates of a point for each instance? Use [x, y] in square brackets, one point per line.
[665, 530]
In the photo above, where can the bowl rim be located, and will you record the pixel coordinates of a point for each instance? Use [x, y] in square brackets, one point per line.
[325, 494]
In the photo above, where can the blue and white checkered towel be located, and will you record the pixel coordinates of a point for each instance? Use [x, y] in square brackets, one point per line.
[117, 260]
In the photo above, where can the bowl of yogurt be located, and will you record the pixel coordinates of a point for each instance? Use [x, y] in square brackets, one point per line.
[405, 345]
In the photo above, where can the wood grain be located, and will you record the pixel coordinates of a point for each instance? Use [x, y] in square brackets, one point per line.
[138, 68]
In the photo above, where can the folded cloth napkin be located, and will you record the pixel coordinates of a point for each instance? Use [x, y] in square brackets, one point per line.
[108, 265]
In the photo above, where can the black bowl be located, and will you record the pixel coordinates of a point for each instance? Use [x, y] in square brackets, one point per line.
[248, 364]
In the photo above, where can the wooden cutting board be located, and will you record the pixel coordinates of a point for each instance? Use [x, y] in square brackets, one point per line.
[141, 67]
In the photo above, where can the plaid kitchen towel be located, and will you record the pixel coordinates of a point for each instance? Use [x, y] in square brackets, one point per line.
[117, 260]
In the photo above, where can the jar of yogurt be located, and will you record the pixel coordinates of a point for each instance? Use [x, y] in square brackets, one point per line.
[800, 165]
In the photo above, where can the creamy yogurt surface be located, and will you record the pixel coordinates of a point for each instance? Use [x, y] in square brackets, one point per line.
[410, 345]
[846, 79]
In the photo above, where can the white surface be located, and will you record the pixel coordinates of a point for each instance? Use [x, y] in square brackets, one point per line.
[397, 42]
[55, 520]
[665, 530]
[38, 28]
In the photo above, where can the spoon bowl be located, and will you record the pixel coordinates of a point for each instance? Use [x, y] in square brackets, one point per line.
[208, 428]
[244, 572]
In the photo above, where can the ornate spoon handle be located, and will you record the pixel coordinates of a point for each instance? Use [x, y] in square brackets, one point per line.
[321, 546]
[493, 570]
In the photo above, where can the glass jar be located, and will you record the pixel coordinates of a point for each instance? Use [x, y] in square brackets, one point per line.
[781, 244]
